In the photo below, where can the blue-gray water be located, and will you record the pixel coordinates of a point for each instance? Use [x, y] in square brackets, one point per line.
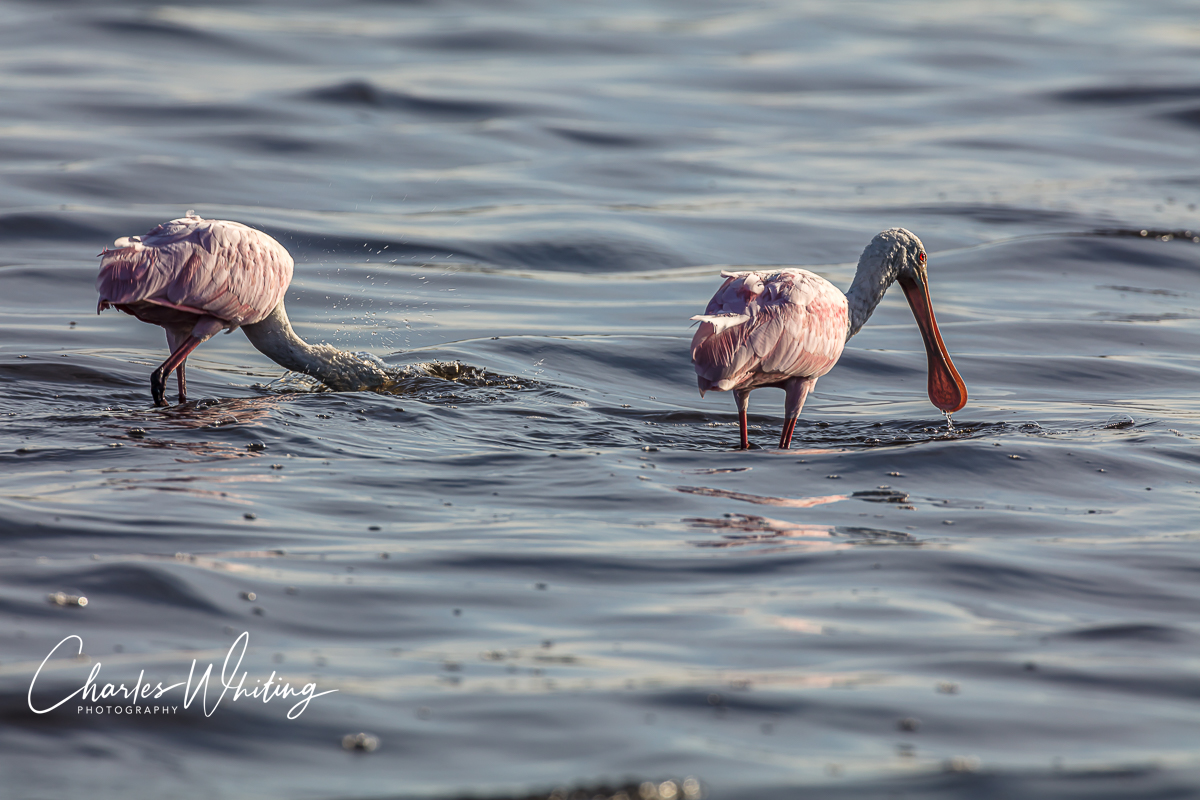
[547, 567]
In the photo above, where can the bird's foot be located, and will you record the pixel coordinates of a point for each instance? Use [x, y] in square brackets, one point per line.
[158, 388]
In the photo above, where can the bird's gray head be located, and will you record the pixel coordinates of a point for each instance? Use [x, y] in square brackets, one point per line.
[898, 253]
[894, 254]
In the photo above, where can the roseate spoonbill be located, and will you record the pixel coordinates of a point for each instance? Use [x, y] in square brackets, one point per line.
[197, 276]
[787, 327]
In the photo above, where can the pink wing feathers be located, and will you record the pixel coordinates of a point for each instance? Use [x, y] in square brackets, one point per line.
[208, 267]
[762, 328]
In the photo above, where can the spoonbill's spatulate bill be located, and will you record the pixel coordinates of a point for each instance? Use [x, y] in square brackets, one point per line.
[196, 276]
[787, 328]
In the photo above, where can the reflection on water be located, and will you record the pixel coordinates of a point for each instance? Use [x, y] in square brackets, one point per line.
[782, 534]
[525, 563]
[789, 502]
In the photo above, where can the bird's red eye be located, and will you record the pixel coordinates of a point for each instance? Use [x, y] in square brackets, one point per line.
[921, 257]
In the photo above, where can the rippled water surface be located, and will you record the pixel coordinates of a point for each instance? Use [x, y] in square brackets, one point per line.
[536, 560]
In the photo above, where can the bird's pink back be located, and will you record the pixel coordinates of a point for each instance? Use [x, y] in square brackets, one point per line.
[764, 327]
[212, 267]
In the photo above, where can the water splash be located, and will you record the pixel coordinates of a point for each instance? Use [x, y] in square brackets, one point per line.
[949, 422]
[428, 377]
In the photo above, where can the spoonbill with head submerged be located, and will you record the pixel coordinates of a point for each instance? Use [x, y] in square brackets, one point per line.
[196, 276]
[787, 327]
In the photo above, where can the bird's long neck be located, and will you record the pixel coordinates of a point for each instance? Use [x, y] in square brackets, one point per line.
[337, 369]
[875, 274]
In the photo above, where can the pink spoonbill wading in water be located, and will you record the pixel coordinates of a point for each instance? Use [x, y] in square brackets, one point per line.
[787, 327]
[195, 277]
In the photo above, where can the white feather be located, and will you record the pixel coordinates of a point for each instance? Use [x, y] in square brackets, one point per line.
[721, 322]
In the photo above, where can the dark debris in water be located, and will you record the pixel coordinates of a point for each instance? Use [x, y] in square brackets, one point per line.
[669, 789]
[1162, 234]
[361, 742]
[881, 496]
[64, 599]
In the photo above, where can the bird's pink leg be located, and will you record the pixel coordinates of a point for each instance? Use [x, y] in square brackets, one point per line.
[158, 378]
[175, 338]
[785, 439]
[797, 389]
[742, 398]
[181, 374]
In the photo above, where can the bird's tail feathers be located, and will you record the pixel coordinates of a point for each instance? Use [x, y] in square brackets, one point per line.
[127, 274]
[721, 322]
